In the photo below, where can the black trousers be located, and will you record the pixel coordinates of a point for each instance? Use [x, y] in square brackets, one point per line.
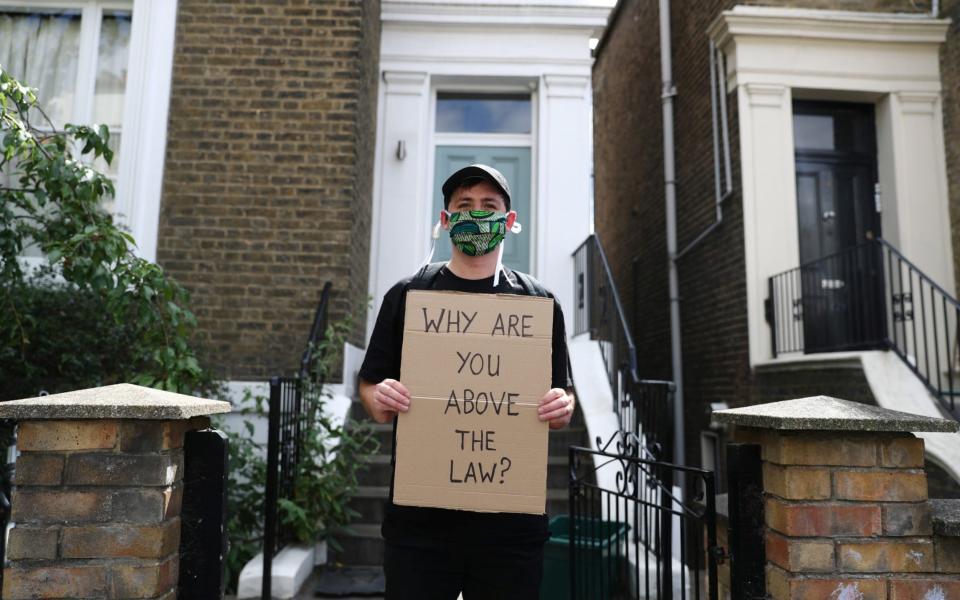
[441, 572]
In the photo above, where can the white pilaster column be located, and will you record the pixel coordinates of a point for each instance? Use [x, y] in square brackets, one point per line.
[399, 219]
[563, 175]
[771, 234]
[146, 104]
[923, 221]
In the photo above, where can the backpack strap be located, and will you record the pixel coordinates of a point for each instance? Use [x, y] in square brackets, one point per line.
[424, 278]
[530, 285]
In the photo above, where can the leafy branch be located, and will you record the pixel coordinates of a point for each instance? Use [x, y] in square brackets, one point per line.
[52, 199]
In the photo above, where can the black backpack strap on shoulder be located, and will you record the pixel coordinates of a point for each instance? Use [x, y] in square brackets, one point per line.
[530, 285]
[424, 278]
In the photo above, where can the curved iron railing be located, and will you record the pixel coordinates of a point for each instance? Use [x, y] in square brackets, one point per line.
[866, 297]
[644, 407]
[285, 438]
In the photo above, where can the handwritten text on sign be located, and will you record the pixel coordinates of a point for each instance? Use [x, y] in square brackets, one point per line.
[476, 366]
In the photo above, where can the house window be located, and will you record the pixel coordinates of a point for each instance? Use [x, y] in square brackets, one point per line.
[483, 113]
[76, 56]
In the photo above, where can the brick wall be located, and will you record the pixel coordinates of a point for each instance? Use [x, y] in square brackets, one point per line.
[847, 512]
[267, 182]
[836, 379]
[630, 215]
[96, 508]
[628, 162]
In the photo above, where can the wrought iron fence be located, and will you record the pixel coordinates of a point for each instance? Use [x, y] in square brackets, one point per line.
[643, 406]
[870, 297]
[634, 534]
[286, 425]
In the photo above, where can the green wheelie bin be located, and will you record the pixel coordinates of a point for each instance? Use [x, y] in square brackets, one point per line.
[596, 555]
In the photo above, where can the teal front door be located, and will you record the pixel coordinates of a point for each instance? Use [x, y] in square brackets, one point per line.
[514, 163]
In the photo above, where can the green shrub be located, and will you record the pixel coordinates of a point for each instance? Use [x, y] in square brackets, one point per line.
[94, 312]
[325, 478]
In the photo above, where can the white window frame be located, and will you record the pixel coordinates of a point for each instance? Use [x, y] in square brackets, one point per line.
[145, 109]
[468, 85]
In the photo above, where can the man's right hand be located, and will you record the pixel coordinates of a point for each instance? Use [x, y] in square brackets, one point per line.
[385, 399]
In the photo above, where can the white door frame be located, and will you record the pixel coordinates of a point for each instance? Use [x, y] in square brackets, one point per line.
[516, 140]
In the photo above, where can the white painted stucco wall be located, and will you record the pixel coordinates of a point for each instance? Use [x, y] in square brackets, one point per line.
[536, 47]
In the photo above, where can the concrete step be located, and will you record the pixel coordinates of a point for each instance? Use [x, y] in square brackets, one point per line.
[376, 471]
[362, 545]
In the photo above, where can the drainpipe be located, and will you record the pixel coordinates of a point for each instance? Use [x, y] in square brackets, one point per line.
[670, 192]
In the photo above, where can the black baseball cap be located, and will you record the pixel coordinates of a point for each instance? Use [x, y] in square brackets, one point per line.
[476, 172]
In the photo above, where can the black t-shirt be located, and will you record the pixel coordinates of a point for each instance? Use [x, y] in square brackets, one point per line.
[425, 526]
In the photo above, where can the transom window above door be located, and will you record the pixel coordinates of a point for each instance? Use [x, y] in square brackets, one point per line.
[459, 112]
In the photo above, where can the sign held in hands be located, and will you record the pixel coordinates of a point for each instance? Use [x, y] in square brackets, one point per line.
[476, 366]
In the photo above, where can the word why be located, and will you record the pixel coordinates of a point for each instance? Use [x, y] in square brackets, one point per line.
[458, 321]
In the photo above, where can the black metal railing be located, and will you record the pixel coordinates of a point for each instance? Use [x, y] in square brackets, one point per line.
[286, 424]
[8, 439]
[633, 535]
[870, 297]
[644, 407]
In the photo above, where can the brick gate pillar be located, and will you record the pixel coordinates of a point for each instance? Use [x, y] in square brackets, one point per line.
[845, 499]
[98, 487]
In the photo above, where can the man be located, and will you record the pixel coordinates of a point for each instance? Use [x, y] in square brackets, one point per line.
[438, 553]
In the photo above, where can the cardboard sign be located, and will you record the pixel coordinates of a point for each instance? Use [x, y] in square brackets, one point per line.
[476, 366]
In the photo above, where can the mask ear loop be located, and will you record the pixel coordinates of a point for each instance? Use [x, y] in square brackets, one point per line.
[433, 244]
[516, 228]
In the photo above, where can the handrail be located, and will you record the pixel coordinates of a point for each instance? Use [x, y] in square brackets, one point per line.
[594, 242]
[866, 297]
[285, 437]
[643, 407]
[907, 262]
[319, 328]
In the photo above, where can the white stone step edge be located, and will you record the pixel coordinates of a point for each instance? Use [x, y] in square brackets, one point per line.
[291, 567]
[896, 387]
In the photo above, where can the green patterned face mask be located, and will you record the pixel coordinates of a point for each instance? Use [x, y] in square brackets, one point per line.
[477, 232]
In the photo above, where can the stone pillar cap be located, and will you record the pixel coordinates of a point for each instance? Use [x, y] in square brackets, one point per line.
[119, 401]
[823, 413]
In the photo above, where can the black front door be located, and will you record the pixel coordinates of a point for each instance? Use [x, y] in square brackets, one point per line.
[841, 273]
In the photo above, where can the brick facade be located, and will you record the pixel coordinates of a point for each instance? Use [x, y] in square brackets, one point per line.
[96, 508]
[849, 511]
[268, 175]
[628, 162]
[630, 213]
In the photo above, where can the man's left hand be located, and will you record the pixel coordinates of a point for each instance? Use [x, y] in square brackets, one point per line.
[556, 406]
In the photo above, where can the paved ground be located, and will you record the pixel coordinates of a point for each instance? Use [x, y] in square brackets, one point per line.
[306, 593]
